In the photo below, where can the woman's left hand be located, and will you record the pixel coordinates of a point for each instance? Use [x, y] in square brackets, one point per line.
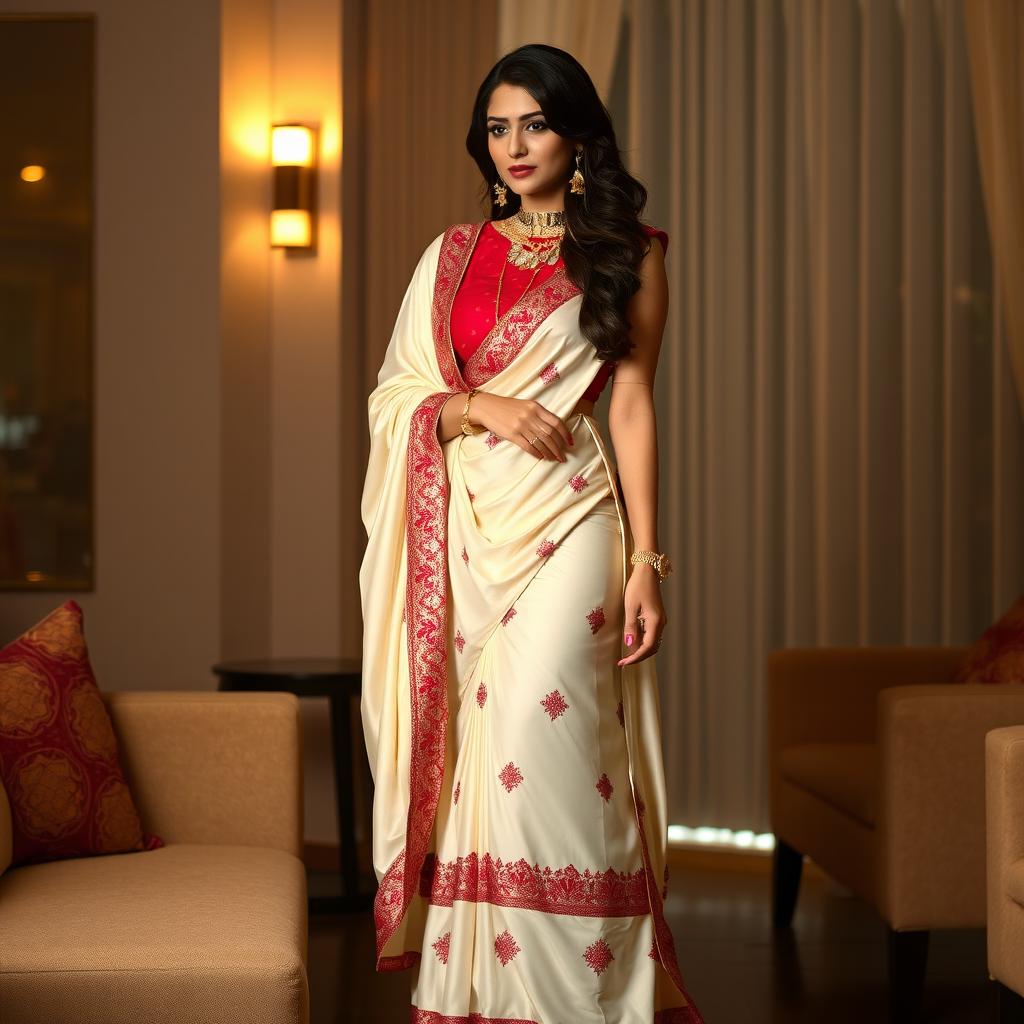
[642, 600]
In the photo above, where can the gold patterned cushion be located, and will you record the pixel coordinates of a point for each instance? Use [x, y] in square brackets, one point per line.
[59, 760]
[997, 656]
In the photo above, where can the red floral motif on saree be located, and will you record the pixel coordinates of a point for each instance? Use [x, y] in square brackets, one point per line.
[442, 947]
[485, 879]
[596, 618]
[578, 482]
[510, 776]
[481, 694]
[598, 956]
[460, 640]
[465, 557]
[554, 704]
[505, 947]
[547, 549]
[508, 616]
[458, 790]
[604, 787]
[491, 440]
[472, 496]
[549, 373]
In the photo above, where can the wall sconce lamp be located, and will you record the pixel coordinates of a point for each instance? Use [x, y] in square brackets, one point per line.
[293, 218]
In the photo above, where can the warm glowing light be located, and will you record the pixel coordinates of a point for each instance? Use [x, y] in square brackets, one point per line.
[33, 173]
[292, 146]
[720, 838]
[290, 228]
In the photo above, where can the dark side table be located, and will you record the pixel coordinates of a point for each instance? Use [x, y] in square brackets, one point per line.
[338, 679]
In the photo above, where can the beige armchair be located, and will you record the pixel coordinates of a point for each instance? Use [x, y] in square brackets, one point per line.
[210, 928]
[877, 773]
[1004, 807]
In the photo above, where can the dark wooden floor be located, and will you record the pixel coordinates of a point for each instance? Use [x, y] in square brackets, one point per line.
[829, 969]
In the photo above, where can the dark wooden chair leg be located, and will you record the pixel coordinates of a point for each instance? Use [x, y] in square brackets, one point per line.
[1009, 1005]
[908, 964]
[787, 867]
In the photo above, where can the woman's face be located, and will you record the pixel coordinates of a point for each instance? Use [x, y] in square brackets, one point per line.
[518, 134]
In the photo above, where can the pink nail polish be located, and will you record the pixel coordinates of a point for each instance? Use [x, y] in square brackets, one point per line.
[629, 639]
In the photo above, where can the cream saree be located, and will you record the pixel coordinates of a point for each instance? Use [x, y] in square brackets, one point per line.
[519, 805]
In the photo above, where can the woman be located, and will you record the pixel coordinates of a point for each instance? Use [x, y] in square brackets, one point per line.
[519, 805]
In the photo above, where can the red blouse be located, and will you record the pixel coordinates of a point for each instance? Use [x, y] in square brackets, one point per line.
[472, 314]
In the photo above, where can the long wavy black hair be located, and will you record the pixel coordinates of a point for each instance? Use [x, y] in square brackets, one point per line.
[604, 241]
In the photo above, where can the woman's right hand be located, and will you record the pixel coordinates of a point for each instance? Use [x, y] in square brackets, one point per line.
[521, 420]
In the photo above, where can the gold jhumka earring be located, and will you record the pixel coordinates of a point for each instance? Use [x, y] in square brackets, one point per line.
[500, 192]
[577, 185]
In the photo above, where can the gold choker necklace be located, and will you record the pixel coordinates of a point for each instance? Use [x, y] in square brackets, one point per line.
[541, 219]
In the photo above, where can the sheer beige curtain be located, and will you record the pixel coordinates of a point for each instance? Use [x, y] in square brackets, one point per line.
[588, 30]
[840, 434]
[995, 34]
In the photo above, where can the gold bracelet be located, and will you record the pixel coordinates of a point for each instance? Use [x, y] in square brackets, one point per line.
[466, 427]
[660, 562]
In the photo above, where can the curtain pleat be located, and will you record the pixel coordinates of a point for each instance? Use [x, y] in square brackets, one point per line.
[589, 31]
[840, 434]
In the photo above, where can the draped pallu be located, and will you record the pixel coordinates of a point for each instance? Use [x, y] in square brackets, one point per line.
[493, 842]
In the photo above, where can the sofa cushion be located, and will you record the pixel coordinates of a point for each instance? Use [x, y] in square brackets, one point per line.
[183, 933]
[842, 774]
[59, 759]
[997, 656]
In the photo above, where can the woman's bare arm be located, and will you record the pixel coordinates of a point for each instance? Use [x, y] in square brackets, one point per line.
[631, 419]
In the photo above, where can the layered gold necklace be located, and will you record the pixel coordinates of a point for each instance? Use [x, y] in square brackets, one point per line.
[536, 240]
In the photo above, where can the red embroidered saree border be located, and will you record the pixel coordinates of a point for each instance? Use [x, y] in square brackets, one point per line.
[419, 1016]
[674, 1015]
[549, 890]
[426, 527]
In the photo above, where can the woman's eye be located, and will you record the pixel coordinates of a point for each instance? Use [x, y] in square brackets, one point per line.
[494, 127]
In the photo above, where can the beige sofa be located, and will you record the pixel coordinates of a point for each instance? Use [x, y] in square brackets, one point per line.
[877, 773]
[1004, 806]
[210, 928]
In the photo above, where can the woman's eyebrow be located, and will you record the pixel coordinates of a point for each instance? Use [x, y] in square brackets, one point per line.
[523, 117]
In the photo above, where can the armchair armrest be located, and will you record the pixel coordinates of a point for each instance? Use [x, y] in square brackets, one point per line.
[931, 800]
[214, 768]
[830, 694]
[1004, 783]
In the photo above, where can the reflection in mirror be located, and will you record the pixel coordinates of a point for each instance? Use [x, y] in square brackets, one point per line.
[46, 359]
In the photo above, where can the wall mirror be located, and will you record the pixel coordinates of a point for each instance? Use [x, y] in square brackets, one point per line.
[46, 302]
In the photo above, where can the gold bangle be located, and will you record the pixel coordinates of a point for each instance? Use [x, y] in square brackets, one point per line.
[466, 427]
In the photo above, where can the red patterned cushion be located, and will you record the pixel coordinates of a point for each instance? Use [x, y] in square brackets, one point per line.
[58, 753]
[997, 656]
